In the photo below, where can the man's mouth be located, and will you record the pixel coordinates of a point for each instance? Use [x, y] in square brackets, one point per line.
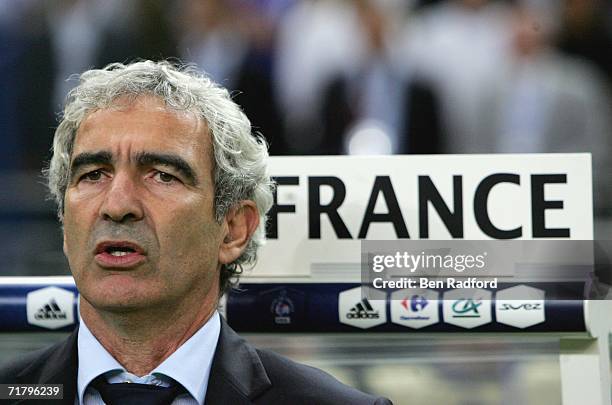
[119, 254]
[119, 251]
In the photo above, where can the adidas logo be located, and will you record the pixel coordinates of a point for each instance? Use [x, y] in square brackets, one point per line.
[363, 310]
[50, 311]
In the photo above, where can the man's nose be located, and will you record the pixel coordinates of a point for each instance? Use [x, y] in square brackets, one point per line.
[122, 201]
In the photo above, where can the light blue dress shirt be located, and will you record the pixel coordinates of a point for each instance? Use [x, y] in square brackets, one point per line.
[189, 365]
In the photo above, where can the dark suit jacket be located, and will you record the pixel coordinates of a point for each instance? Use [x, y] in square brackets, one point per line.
[240, 374]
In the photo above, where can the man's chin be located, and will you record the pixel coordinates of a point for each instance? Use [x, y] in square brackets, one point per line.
[118, 305]
[118, 297]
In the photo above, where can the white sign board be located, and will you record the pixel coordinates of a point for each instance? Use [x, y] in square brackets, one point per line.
[325, 205]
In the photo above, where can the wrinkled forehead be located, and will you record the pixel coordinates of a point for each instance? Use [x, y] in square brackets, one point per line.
[141, 124]
[148, 109]
[150, 103]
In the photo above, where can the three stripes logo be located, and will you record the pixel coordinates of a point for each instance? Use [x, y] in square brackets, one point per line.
[50, 307]
[358, 310]
[50, 311]
[363, 310]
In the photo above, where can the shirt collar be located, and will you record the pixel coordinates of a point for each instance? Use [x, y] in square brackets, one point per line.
[190, 364]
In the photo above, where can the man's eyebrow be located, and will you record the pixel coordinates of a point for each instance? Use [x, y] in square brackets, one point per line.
[174, 161]
[90, 158]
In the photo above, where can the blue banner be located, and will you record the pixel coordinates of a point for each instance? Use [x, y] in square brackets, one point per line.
[335, 307]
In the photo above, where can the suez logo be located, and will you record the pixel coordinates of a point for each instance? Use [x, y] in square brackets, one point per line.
[526, 306]
[466, 308]
[520, 313]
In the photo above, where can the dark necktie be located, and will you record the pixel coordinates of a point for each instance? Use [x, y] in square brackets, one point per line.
[136, 394]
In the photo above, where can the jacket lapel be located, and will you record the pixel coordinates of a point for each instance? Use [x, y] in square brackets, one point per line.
[237, 375]
[60, 367]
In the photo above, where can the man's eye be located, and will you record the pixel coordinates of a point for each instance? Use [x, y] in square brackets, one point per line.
[92, 176]
[165, 177]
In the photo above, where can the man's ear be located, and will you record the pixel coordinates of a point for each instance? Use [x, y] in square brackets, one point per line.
[241, 221]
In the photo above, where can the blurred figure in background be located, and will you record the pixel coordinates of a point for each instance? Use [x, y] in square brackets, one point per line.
[255, 78]
[233, 42]
[548, 102]
[317, 41]
[208, 36]
[343, 86]
[26, 80]
[586, 32]
[459, 47]
[380, 108]
[94, 33]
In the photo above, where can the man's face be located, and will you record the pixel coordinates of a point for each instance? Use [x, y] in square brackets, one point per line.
[139, 228]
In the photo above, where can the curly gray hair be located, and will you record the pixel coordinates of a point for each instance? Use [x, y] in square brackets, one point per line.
[240, 171]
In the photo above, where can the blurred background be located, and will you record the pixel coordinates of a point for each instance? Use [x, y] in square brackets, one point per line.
[325, 77]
